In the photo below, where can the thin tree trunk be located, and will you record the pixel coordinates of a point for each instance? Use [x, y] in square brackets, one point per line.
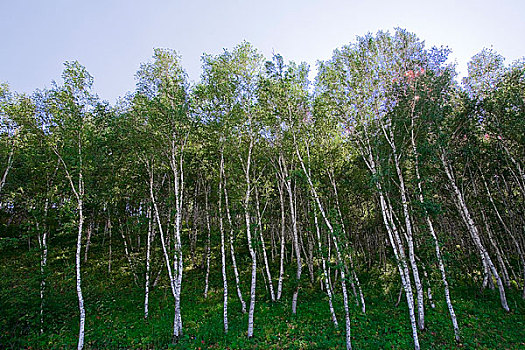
[354, 274]
[429, 287]
[88, 240]
[295, 234]
[267, 266]
[250, 243]
[232, 250]
[474, 231]
[79, 195]
[499, 255]
[409, 234]
[509, 232]
[223, 253]
[178, 174]
[393, 235]
[163, 242]
[399, 253]
[336, 246]
[280, 186]
[208, 244]
[433, 234]
[43, 264]
[8, 167]
[78, 277]
[151, 234]
[108, 223]
[128, 255]
[325, 272]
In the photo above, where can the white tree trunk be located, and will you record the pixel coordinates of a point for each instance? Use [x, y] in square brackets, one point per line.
[232, 250]
[395, 239]
[164, 248]
[354, 274]
[88, 240]
[208, 245]
[151, 234]
[79, 195]
[508, 231]
[265, 257]
[295, 234]
[78, 276]
[433, 234]
[474, 231]
[128, 255]
[8, 167]
[336, 246]
[399, 252]
[409, 234]
[325, 273]
[280, 186]
[223, 253]
[43, 264]
[178, 174]
[251, 249]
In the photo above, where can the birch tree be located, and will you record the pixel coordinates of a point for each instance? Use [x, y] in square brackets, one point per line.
[162, 95]
[70, 107]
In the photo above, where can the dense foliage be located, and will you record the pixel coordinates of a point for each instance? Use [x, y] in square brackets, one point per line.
[381, 206]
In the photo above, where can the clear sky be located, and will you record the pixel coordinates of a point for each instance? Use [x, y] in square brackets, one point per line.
[112, 37]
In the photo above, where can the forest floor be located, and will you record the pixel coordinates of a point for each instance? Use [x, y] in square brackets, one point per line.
[114, 308]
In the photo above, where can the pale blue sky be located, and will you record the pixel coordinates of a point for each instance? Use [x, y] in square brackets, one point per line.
[112, 37]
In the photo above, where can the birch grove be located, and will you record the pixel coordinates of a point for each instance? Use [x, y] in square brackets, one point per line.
[257, 188]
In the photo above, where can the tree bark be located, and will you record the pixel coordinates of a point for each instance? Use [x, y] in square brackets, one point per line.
[232, 250]
[473, 230]
[250, 243]
[265, 257]
[336, 246]
[151, 235]
[295, 234]
[208, 244]
[280, 186]
[223, 253]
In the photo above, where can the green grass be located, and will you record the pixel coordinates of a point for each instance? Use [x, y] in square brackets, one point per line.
[114, 306]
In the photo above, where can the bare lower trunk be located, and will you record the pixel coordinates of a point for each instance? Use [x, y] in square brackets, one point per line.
[128, 255]
[509, 232]
[251, 249]
[399, 252]
[263, 245]
[393, 235]
[409, 233]
[8, 167]
[208, 246]
[108, 223]
[434, 237]
[499, 255]
[223, 253]
[232, 250]
[43, 265]
[151, 233]
[354, 274]
[88, 240]
[444, 279]
[78, 277]
[165, 252]
[178, 175]
[336, 246]
[79, 195]
[325, 273]
[473, 230]
[283, 231]
[295, 234]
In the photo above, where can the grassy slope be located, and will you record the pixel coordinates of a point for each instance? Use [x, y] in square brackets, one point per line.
[115, 312]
